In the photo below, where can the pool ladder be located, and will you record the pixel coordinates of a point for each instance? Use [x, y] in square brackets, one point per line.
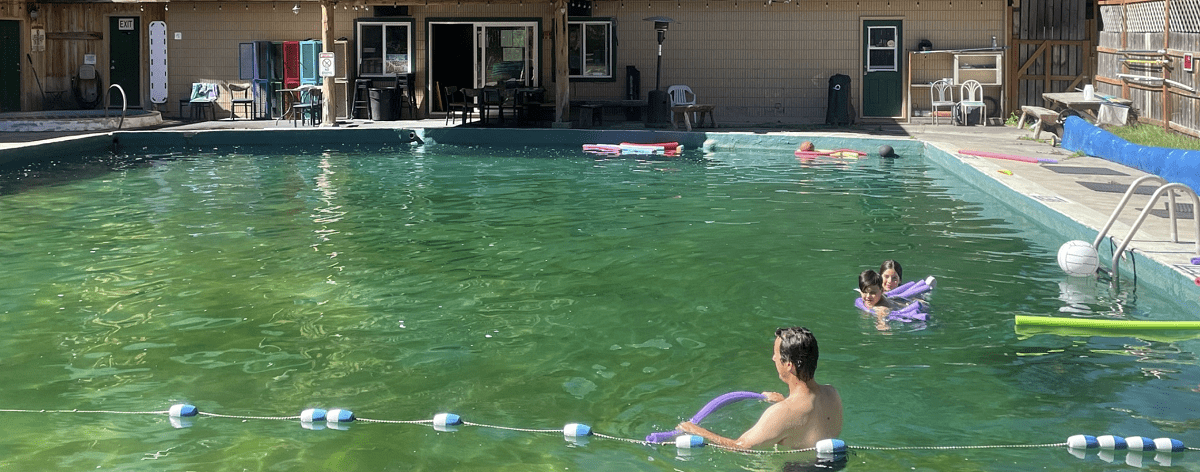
[1164, 187]
[124, 103]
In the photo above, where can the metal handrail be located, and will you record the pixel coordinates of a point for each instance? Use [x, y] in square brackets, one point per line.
[124, 103]
[1116, 260]
[1121, 206]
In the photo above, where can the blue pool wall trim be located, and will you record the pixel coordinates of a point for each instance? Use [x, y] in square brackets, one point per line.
[1173, 165]
[1172, 282]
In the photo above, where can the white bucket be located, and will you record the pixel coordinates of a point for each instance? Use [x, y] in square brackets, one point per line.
[1089, 92]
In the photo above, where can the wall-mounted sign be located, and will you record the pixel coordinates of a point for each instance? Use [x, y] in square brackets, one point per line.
[1187, 62]
[325, 63]
[89, 59]
[37, 39]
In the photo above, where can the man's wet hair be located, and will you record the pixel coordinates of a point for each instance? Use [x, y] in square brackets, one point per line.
[799, 347]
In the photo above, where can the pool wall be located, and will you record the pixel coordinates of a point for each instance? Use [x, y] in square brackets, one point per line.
[1030, 200]
[134, 141]
[77, 120]
[54, 149]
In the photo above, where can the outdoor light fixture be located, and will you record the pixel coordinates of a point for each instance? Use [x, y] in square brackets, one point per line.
[33, 11]
[296, 9]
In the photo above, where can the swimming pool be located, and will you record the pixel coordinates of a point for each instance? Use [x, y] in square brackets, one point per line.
[534, 287]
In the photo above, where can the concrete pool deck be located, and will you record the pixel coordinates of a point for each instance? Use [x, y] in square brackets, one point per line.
[1078, 194]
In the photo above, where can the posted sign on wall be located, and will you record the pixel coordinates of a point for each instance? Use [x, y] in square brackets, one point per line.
[325, 62]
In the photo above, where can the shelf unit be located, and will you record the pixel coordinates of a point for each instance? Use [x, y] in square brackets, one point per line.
[985, 67]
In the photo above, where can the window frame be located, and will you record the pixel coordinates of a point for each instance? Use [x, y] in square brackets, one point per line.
[894, 48]
[383, 23]
[583, 22]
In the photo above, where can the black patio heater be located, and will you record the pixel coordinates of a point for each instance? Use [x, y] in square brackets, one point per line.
[658, 104]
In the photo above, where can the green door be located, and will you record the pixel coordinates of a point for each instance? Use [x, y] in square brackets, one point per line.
[10, 66]
[124, 52]
[882, 81]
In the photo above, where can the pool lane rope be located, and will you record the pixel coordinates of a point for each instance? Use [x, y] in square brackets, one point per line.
[311, 418]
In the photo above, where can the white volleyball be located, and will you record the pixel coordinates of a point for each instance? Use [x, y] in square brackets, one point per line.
[1078, 258]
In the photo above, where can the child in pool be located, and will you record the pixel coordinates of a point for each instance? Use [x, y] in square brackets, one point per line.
[892, 273]
[870, 286]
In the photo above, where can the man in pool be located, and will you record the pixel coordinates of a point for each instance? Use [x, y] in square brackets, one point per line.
[810, 412]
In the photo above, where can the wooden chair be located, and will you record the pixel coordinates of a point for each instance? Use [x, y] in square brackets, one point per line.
[245, 100]
[204, 95]
[456, 100]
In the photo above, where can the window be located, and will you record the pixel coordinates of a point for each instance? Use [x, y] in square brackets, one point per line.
[590, 48]
[882, 51]
[384, 47]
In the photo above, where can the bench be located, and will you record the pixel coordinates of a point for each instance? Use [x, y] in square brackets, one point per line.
[1045, 116]
[693, 110]
[591, 112]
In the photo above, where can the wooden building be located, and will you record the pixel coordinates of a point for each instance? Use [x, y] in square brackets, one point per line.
[759, 61]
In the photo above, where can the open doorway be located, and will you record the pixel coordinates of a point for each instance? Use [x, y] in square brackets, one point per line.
[450, 47]
[10, 74]
[476, 54]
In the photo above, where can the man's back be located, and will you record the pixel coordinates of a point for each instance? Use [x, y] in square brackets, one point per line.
[810, 414]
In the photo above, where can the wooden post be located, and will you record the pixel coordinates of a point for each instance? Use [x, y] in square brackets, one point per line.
[562, 84]
[328, 91]
[1166, 68]
[1124, 67]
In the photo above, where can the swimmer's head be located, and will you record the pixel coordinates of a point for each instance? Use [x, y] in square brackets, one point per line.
[807, 146]
[870, 285]
[798, 346]
[892, 274]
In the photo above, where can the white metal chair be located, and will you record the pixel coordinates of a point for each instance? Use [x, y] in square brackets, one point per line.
[941, 94]
[971, 97]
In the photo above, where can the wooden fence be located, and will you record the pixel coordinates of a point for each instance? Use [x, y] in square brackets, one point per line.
[1053, 49]
[1144, 54]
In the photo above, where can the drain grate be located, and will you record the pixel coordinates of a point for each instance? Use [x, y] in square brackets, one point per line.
[1049, 198]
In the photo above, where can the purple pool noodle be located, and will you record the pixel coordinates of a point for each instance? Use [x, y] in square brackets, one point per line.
[910, 289]
[1196, 260]
[712, 406]
[916, 289]
[895, 292]
[724, 400]
[1046, 160]
[912, 312]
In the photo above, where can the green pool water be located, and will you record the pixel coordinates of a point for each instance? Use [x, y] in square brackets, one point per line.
[534, 287]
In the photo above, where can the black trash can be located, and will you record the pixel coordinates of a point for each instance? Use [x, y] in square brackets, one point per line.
[658, 107]
[381, 104]
[837, 111]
